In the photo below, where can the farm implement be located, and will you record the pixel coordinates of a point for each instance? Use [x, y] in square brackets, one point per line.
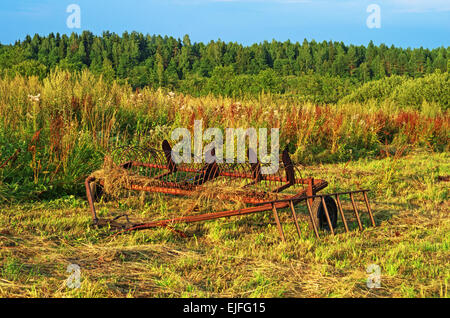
[154, 171]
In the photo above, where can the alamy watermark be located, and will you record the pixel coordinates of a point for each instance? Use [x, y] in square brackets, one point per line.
[374, 19]
[73, 281]
[182, 151]
[74, 19]
[374, 279]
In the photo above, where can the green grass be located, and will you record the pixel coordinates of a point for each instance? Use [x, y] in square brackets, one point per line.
[243, 257]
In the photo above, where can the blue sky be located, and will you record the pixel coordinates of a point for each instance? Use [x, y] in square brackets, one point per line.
[404, 23]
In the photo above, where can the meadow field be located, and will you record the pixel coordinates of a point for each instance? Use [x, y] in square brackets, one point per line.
[57, 130]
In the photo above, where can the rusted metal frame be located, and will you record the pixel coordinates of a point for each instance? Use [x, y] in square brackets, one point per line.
[351, 193]
[161, 189]
[216, 215]
[210, 172]
[173, 188]
[151, 165]
[341, 211]
[327, 215]
[209, 216]
[277, 220]
[158, 188]
[221, 173]
[313, 223]
[366, 200]
[282, 188]
[263, 207]
[317, 187]
[355, 209]
[310, 191]
[348, 192]
[162, 175]
[294, 216]
[312, 188]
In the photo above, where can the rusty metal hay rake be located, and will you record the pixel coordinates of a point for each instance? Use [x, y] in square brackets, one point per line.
[285, 188]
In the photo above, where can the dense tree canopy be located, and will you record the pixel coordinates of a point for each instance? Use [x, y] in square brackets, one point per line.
[218, 67]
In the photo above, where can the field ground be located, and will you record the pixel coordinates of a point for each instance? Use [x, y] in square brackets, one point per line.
[243, 257]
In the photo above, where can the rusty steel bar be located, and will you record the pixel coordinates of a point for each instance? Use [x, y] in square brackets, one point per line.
[207, 216]
[313, 223]
[221, 173]
[277, 220]
[211, 216]
[294, 216]
[355, 209]
[341, 211]
[327, 215]
[182, 192]
[320, 185]
[369, 210]
[197, 218]
[310, 191]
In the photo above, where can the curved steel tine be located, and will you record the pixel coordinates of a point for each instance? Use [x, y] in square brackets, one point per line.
[327, 215]
[369, 210]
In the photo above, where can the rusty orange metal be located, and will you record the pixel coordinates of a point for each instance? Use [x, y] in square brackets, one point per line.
[187, 179]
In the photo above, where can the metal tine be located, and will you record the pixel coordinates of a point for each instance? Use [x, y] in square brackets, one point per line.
[341, 211]
[277, 220]
[313, 223]
[237, 168]
[131, 155]
[327, 215]
[145, 156]
[159, 160]
[368, 209]
[118, 153]
[355, 209]
[122, 155]
[149, 157]
[294, 216]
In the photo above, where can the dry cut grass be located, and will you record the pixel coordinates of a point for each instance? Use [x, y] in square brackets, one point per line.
[242, 257]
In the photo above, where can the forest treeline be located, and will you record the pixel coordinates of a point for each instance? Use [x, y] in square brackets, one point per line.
[321, 72]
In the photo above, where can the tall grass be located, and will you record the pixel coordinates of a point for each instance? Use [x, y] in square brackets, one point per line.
[65, 123]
